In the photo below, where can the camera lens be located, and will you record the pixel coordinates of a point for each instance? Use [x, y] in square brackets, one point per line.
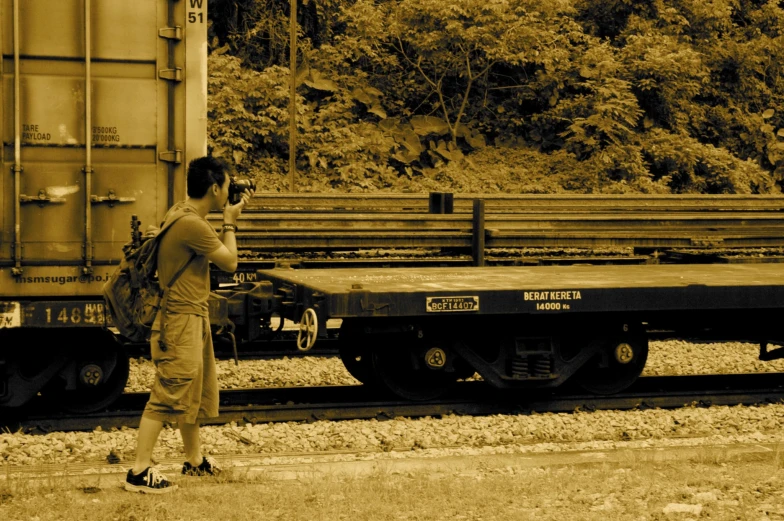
[237, 186]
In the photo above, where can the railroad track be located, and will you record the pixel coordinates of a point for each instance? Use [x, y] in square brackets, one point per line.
[468, 398]
[374, 202]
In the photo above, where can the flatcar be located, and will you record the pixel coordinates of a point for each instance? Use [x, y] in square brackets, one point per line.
[415, 331]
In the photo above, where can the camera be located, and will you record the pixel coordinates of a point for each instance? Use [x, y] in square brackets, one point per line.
[237, 186]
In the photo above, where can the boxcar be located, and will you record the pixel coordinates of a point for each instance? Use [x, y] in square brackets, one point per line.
[104, 102]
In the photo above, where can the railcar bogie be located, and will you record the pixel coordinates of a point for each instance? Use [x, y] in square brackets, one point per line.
[94, 377]
[421, 359]
[548, 351]
[618, 363]
[27, 364]
[75, 370]
[411, 360]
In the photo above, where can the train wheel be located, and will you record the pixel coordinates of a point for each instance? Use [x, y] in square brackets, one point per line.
[357, 362]
[617, 367]
[354, 353]
[404, 372]
[99, 375]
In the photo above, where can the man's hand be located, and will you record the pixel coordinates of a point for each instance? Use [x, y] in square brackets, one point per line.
[232, 211]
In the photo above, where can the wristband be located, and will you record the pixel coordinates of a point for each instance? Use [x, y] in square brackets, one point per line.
[230, 227]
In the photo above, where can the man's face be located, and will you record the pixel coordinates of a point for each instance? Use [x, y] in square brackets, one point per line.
[222, 195]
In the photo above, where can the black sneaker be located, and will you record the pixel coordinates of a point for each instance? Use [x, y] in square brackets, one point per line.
[148, 482]
[207, 467]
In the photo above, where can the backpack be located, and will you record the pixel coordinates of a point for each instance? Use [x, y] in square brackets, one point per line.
[133, 294]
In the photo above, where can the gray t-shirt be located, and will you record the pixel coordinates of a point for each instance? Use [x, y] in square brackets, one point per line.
[191, 234]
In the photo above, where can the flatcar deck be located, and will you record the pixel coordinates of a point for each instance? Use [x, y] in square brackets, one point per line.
[342, 293]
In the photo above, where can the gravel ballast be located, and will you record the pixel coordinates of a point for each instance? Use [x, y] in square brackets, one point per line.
[434, 436]
[451, 434]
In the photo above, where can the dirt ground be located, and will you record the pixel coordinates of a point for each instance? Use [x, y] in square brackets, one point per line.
[718, 483]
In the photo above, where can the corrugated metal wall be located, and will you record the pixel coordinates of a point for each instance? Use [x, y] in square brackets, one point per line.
[143, 123]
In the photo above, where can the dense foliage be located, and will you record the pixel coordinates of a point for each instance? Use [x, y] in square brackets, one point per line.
[510, 95]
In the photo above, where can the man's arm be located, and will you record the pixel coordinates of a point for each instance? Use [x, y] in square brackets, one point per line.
[225, 257]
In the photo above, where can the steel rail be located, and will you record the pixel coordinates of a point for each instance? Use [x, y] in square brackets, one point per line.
[469, 398]
[599, 215]
[517, 202]
[736, 235]
[336, 221]
[576, 221]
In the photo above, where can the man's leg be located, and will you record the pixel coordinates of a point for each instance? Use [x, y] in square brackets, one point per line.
[191, 442]
[149, 430]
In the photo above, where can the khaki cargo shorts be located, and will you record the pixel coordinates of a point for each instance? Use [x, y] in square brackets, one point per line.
[186, 381]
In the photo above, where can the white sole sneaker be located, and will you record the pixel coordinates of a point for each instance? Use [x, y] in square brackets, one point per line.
[142, 489]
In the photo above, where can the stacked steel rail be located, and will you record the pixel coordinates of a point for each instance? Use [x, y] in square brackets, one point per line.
[475, 223]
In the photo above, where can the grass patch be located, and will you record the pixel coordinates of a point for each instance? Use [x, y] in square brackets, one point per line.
[634, 488]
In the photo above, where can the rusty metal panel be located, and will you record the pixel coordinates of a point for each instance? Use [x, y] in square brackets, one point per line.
[111, 225]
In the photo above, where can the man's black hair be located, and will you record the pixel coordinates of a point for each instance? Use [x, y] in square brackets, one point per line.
[203, 172]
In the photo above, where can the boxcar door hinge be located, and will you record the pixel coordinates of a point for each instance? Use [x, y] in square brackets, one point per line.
[171, 156]
[171, 33]
[174, 74]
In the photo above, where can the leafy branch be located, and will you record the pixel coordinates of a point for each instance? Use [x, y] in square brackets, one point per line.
[437, 86]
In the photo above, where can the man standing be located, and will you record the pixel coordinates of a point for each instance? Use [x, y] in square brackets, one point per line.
[186, 385]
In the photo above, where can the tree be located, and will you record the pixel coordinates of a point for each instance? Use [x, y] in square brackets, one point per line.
[453, 46]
